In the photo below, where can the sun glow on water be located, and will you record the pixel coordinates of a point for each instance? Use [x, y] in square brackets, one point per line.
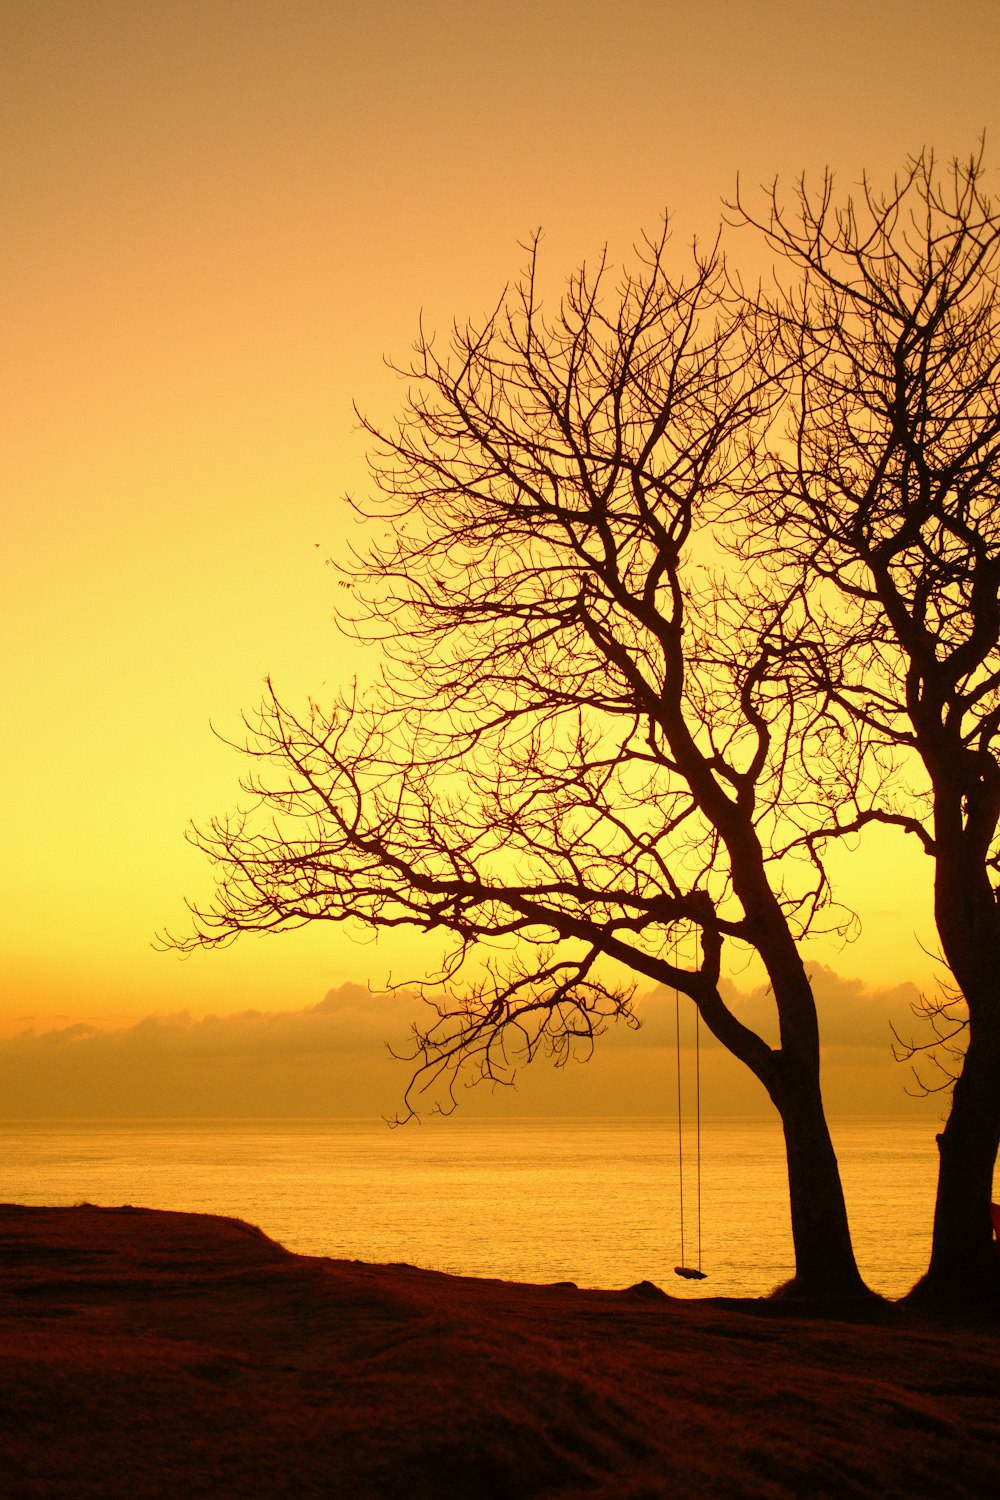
[595, 1202]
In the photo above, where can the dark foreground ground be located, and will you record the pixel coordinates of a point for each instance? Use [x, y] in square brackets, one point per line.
[181, 1355]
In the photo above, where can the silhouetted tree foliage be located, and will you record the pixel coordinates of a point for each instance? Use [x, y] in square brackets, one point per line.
[887, 502]
[597, 744]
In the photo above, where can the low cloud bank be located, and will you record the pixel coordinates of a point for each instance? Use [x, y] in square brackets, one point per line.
[331, 1059]
[849, 1014]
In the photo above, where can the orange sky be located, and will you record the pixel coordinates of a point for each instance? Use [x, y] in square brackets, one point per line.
[218, 216]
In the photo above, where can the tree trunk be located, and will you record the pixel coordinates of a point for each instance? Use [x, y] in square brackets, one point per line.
[825, 1266]
[964, 1271]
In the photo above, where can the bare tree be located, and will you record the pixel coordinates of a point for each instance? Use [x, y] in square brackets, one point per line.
[588, 741]
[886, 498]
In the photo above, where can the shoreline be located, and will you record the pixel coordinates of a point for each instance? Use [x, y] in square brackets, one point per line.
[146, 1352]
[389, 1195]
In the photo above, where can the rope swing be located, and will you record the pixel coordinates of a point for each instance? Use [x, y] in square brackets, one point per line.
[690, 1273]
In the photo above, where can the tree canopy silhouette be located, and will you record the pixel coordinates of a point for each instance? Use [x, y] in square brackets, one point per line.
[586, 755]
[673, 584]
[887, 502]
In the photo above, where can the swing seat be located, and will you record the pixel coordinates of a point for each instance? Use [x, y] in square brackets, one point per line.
[689, 1273]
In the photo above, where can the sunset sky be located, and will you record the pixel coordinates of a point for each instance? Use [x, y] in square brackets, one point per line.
[218, 217]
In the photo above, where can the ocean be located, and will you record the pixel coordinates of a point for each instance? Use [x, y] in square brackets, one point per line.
[596, 1202]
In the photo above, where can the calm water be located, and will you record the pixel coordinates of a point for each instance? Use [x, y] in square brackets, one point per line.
[595, 1202]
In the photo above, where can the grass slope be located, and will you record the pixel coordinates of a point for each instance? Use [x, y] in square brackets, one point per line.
[164, 1354]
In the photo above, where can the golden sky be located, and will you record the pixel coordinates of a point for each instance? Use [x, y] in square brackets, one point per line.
[218, 216]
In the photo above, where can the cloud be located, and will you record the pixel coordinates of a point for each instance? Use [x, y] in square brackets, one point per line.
[850, 1014]
[327, 1059]
[347, 1019]
[332, 1059]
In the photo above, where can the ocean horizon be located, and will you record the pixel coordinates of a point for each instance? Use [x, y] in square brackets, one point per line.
[596, 1202]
